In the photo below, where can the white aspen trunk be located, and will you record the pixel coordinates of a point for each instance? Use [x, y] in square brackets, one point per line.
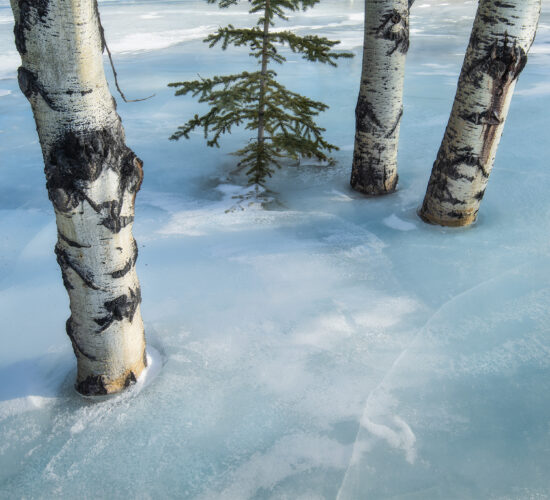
[380, 104]
[92, 180]
[502, 34]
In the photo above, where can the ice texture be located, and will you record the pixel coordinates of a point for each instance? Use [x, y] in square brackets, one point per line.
[323, 346]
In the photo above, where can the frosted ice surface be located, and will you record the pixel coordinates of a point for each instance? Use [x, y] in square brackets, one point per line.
[326, 346]
[396, 223]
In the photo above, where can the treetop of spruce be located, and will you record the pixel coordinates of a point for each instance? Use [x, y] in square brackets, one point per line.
[283, 120]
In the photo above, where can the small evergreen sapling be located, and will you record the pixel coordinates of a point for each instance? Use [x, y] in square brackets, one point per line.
[283, 120]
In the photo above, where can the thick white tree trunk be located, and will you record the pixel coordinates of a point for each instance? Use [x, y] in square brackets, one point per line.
[502, 34]
[92, 179]
[380, 104]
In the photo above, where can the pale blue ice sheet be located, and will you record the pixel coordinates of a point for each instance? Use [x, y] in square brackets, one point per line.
[329, 346]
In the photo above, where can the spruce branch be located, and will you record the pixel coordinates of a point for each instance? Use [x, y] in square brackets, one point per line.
[236, 36]
[313, 48]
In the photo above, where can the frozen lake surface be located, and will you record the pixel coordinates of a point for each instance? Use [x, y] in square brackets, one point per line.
[327, 346]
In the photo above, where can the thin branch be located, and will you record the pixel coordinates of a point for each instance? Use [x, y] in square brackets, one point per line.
[115, 75]
[104, 43]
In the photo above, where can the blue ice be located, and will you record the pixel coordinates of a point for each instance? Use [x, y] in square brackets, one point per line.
[324, 346]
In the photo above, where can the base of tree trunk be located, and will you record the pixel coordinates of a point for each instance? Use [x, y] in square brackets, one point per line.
[101, 385]
[458, 220]
[497, 53]
[369, 189]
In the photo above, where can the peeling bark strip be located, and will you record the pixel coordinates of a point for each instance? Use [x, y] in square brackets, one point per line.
[502, 34]
[379, 106]
[92, 179]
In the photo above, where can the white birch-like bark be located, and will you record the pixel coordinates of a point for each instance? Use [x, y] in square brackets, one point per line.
[92, 179]
[380, 104]
[502, 34]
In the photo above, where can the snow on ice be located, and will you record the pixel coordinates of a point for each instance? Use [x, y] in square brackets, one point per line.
[324, 346]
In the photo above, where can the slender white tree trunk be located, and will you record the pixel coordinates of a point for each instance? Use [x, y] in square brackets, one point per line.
[502, 34]
[92, 180]
[380, 104]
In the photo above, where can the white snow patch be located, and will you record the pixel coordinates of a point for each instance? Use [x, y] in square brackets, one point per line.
[239, 208]
[436, 65]
[385, 312]
[9, 62]
[339, 196]
[400, 437]
[396, 223]
[22, 405]
[139, 42]
[288, 457]
[152, 15]
[4, 92]
[327, 330]
[540, 49]
[359, 16]
[154, 366]
[540, 88]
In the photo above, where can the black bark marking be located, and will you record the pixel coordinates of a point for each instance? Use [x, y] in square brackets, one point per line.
[30, 86]
[123, 307]
[368, 175]
[130, 379]
[466, 156]
[457, 215]
[79, 158]
[503, 61]
[446, 168]
[112, 219]
[489, 20]
[65, 262]
[145, 358]
[70, 242]
[129, 265]
[365, 118]
[508, 62]
[66, 283]
[104, 322]
[479, 195]
[124, 271]
[93, 385]
[438, 186]
[488, 117]
[27, 20]
[82, 92]
[395, 125]
[395, 28]
[76, 348]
